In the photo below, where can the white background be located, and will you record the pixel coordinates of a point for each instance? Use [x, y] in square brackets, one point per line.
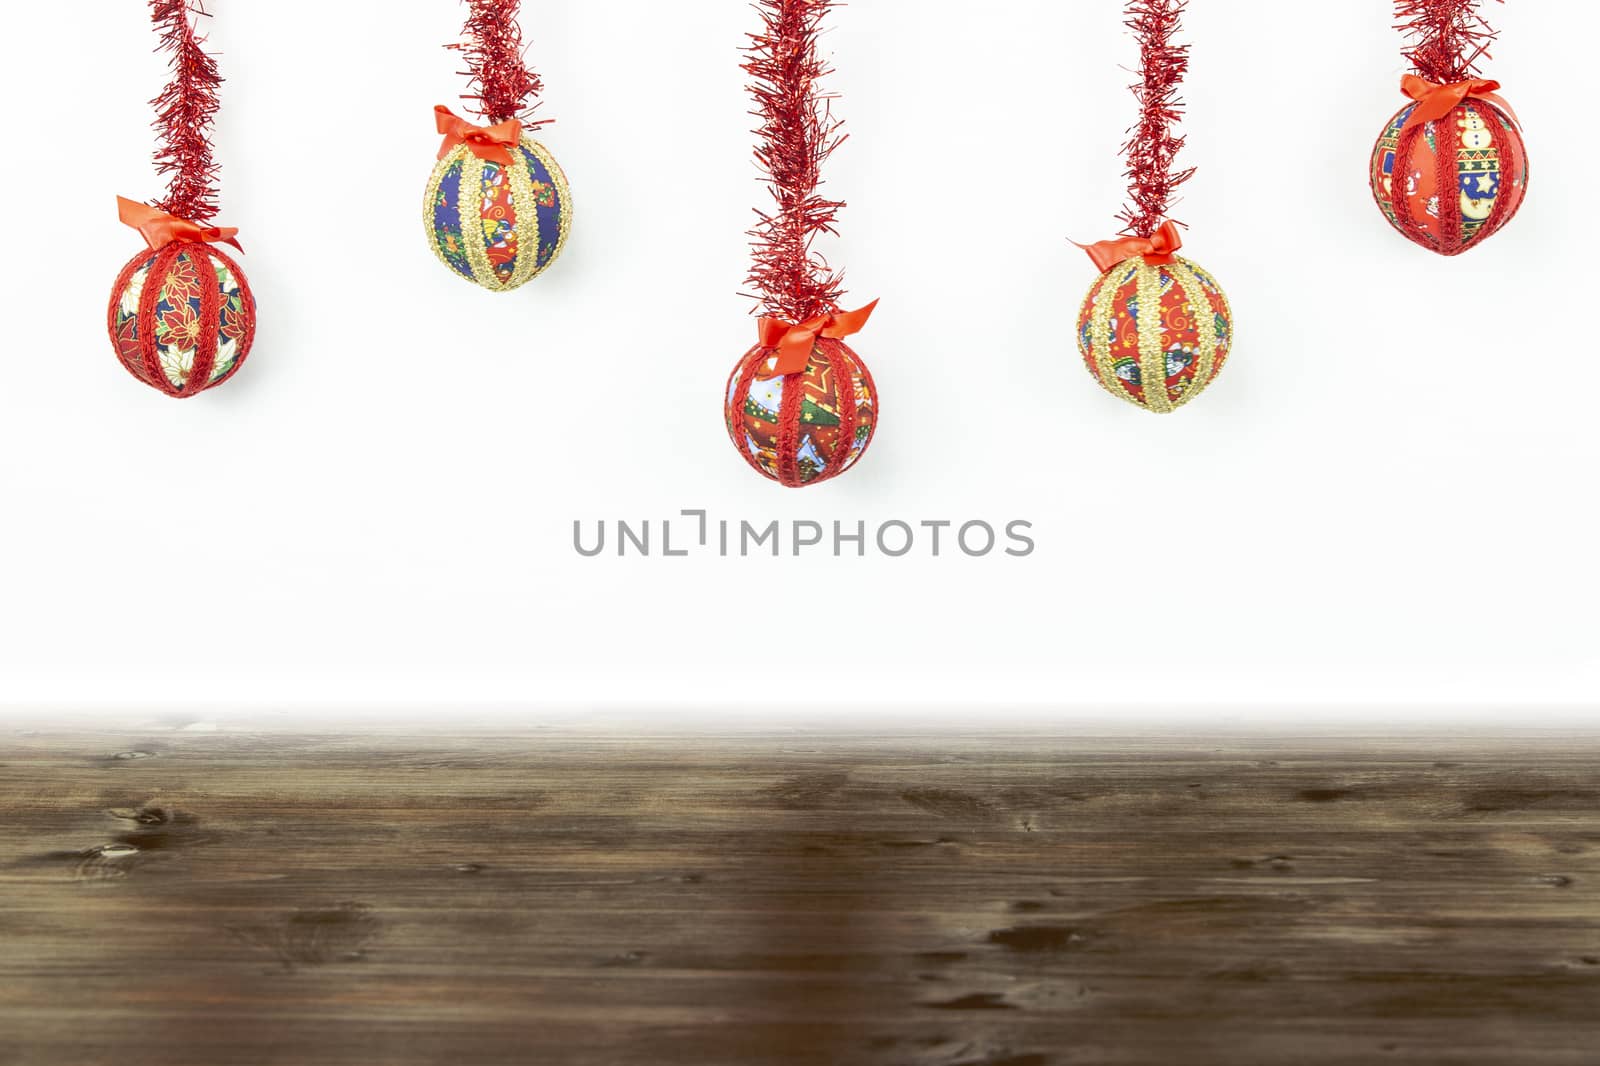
[1385, 506]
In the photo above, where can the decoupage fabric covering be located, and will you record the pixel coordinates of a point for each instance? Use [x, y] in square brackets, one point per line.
[516, 219]
[1451, 183]
[801, 429]
[1183, 345]
[182, 319]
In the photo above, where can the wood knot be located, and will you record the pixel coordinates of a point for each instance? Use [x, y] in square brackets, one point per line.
[949, 803]
[976, 1001]
[156, 828]
[628, 958]
[315, 937]
[1324, 795]
[1032, 938]
[107, 862]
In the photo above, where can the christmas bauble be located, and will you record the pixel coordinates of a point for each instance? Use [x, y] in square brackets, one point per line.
[496, 224]
[1180, 347]
[805, 428]
[182, 317]
[1450, 183]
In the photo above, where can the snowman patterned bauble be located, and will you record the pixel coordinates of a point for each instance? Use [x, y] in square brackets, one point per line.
[1155, 333]
[1450, 182]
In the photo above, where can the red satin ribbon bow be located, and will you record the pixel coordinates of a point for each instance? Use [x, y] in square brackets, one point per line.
[793, 342]
[161, 229]
[1436, 101]
[485, 142]
[1157, 250]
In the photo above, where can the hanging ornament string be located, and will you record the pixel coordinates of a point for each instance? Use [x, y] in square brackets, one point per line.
[502, 82]
[791, 281]
[1448, 38]
[185, 111]
[1153, 144]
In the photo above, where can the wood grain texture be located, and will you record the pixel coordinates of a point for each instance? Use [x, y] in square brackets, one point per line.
[197, 900]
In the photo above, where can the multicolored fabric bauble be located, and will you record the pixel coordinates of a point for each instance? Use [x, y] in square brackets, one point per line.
[1179, 349]
[1451, 182]
[803, 428]
[1450, 170]
[498, 212]
[182, 318]
[1155, 329]
[801, 407]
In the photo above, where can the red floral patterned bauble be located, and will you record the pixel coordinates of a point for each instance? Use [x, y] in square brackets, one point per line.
[1182, 346]
[806, 428]
[182, 318]
[1451, 183]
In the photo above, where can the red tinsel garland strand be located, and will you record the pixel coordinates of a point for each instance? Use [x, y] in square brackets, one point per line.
[184, 113]
[1152, 146]
[1448, 37]
[502, 83]
[797, 133]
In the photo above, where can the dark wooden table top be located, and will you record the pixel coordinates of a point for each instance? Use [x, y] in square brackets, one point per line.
[178, 899]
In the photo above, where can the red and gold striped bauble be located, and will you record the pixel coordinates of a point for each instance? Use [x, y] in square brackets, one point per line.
[182, 318]
[804, 428]
[1155, 333]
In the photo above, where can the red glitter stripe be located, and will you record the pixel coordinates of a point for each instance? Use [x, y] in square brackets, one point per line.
[1447, 177]
[1505, 208]
[741, 396]
[205, 354]
[789, 429]
[247, 312]
[877, 409]
[1401, 200]
[154, 282]
[845, 383]
[124, 279]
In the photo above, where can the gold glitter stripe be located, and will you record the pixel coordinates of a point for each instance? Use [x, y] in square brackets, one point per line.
[1227, 314]
[1205, 324]
[563, 197]
[522, 198]
[473, 241]
[1105, 309]
[1086, 311]
[1152, 360]
[429, 199]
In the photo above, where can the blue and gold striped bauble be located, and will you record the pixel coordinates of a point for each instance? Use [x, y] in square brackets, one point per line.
[497, 225]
